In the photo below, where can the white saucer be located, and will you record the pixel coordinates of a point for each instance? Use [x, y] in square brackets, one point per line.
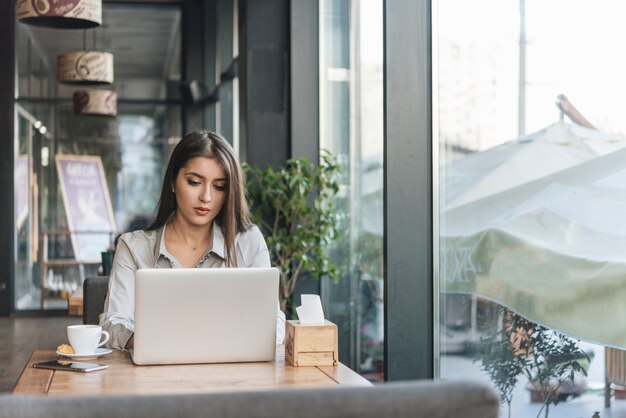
[99, 352]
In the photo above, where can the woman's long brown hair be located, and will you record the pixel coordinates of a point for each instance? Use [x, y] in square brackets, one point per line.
[234, 217]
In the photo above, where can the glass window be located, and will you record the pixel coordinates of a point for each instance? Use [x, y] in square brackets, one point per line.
[132, 147]
[531, 190]
[351, 119]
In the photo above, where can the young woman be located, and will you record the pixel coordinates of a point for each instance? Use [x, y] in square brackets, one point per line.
[202, 221]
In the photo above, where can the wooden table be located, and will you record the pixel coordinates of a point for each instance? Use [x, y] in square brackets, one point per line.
[75, 303]
[122, 377]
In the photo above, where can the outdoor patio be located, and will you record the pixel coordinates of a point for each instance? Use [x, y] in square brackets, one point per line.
[583, 406]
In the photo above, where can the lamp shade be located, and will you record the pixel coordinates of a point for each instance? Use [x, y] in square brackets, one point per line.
[62, 14]
[95, 102]
[85, 67]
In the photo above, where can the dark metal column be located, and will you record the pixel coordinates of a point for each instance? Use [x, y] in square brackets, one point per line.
[225, 11]
[408, 191]
[304, 137]
[198, 56]
[304, 50]
[264, 81]
[7, 155]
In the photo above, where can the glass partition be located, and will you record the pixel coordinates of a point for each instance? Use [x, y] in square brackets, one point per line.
[531, 174]
[351, 127]
[131, 148]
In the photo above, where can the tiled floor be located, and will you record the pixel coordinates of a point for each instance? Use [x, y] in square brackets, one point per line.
[20, 336]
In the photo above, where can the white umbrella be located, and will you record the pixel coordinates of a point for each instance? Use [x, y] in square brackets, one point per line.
[552, 149]
[539, 225]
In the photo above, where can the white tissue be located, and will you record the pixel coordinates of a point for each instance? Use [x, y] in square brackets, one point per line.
[310, 312]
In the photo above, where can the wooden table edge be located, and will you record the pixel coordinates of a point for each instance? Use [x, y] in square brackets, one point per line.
[35, 381]
[38, 381]
[344, 376]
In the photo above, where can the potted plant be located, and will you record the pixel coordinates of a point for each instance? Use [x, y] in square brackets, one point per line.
[293, 206]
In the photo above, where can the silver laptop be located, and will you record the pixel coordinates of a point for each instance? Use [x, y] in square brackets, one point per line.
[218, 315]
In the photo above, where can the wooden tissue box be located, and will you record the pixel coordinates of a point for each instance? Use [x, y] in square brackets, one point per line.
[311, 345]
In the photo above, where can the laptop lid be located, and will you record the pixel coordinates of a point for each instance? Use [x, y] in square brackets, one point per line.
[195, 315]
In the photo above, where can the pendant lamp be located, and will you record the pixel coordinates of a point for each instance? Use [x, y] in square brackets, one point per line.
[95, 102]
[61, 14]
[85, 67]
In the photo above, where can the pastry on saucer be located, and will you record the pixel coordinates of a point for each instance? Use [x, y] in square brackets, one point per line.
[65, 349]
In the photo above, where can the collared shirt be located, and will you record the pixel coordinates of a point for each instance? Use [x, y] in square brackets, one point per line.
[146, 249]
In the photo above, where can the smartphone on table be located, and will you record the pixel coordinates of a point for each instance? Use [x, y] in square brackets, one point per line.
[73, 366]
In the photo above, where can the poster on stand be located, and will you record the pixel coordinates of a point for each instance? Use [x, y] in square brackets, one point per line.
[87, 205]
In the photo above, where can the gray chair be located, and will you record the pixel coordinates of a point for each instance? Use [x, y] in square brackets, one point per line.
[94, 293]
[416, 399]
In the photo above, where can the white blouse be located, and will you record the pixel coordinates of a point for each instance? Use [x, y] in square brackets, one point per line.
[146, 249]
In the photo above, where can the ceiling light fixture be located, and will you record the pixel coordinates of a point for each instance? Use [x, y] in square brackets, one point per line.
[95, 102]
[61, 14]
[85, 67]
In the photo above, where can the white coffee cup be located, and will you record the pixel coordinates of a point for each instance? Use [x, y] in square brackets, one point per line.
[84, 339]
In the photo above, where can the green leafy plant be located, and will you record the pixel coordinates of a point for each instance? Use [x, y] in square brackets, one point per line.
[500, 357]
[546, 357]
[554, 361]
[294, 207]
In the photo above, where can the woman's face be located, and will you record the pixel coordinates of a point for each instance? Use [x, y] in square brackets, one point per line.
[200, 190]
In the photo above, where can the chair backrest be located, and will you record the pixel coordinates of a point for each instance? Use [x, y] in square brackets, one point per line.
[94, 293]
[422, 399]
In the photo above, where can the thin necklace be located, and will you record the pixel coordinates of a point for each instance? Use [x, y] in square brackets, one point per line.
[184, 242]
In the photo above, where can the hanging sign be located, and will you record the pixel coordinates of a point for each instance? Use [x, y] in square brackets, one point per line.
[62, 14]
[95, 102]
[85, 67]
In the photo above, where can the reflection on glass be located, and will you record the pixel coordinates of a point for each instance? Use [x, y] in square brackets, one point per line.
[532, 197]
